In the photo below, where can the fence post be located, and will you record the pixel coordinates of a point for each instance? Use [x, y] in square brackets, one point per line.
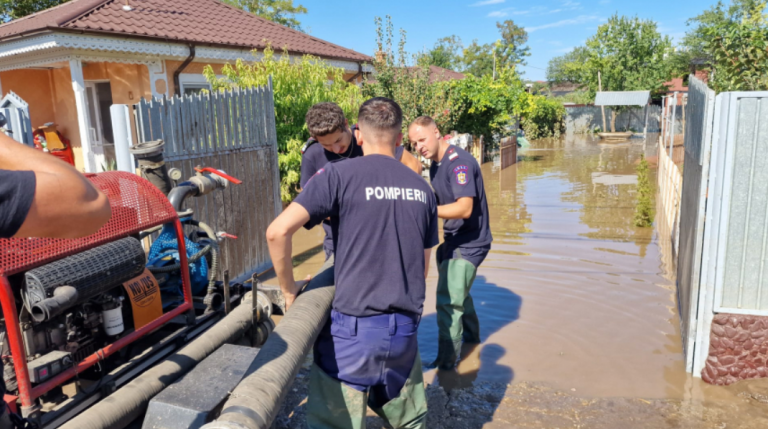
[123, 135]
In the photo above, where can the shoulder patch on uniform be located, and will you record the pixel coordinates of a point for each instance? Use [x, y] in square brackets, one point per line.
[317, 173]
[453, 155]
[309, 143]
[461, 174]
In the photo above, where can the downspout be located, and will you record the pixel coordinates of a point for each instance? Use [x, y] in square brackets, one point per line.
[181, 69]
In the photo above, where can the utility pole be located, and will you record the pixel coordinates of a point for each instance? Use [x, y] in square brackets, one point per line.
[600, 88]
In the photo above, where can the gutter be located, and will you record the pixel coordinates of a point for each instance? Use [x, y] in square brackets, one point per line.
[181, 68]
[358, 74]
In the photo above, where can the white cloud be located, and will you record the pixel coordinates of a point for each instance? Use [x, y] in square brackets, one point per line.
[497, 14]
[487, 2]
[578, 20]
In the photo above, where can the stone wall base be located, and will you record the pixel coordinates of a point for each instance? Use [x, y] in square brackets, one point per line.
[738, 349]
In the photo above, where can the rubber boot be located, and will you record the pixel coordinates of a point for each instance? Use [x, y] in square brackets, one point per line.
[453, 285]
[333, 405]
[470, 322]
[409, 409]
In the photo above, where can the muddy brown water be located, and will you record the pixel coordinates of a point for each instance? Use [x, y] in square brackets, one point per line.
[572, 295]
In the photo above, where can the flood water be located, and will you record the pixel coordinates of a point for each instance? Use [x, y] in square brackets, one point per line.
[572, 294]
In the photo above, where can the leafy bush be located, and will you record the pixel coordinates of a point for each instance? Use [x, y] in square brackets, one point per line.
[739, 51]
[542, 117]
[297, 86]
[644, 208]
[409, 86]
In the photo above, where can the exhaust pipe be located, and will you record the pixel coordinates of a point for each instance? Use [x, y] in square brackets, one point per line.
[255, 402]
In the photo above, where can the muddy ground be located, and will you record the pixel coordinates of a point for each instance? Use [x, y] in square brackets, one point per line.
[535, 405]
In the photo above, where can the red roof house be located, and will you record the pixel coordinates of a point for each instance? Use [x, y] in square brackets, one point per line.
[72, 61]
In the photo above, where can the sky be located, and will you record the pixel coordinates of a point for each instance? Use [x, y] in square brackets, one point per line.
[554, 26]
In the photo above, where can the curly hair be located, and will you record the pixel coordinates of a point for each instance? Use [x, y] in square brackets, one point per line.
[325, 118]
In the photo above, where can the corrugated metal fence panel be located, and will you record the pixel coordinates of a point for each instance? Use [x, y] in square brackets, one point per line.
[743, 280]
[232, 131]
[700, 98]
[584, 118]
[698, 144]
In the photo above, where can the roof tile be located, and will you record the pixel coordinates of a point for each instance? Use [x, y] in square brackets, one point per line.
[200, 21]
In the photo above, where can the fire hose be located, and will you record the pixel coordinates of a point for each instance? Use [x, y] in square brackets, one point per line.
[130, 402]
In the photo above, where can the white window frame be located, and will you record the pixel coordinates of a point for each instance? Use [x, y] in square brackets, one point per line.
[189, 81]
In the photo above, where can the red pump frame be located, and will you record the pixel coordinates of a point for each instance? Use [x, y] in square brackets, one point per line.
[136, 205]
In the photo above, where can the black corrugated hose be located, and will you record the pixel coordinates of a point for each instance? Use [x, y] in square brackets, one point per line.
[255, 402]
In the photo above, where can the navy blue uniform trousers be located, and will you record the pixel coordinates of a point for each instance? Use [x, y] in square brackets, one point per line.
[375, 352]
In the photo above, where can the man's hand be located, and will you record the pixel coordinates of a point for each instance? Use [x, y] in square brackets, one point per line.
[298, 287]
[279, 235]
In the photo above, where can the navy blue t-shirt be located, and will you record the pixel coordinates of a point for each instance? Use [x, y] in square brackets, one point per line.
[314, 158]
[17, 191]
[458, 175]
[383, 216]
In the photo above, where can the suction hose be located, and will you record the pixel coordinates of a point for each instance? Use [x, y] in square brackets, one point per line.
[128, 403]
[150, 158]
[255, 402]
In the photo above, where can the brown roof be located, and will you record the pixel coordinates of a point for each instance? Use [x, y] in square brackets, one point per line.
[439, 74]
[207, 22]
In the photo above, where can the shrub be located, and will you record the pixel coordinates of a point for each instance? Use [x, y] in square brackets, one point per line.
[297, 86]
[542, 118]
[644, 208]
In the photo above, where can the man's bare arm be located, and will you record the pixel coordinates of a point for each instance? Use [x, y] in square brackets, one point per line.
[461, 209]
[66, 204]
[411, 162]
[279, 235]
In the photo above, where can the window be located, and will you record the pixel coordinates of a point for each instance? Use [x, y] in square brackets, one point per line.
[194, 88]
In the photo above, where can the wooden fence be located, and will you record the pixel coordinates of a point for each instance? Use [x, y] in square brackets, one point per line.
[508, 151]
[670, 180]
[233, 131]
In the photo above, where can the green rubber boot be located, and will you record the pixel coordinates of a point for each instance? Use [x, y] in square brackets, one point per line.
[333, 405]
[453, 305]
[409, 409]
[470, 322]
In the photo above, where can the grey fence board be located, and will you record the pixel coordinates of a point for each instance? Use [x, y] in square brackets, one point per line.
[582, 119]
[698, 144]
[232, 131]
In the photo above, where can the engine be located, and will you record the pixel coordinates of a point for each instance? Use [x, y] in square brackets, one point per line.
[74, 306]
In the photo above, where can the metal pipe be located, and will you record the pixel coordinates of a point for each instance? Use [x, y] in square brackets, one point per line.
[177, 86]
[180, 193]
[14, 338]
[122, 407]
[255, 402]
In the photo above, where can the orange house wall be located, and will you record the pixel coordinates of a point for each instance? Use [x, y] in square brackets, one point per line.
[34, 87]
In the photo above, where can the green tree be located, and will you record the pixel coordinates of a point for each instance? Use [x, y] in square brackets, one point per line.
[282, 12]
[446, 54]
[408, 86]
[630, 54]
[739, 51]
[478, 59]
[513, 49]
[298, 85]
[569, 67]
[14, 9]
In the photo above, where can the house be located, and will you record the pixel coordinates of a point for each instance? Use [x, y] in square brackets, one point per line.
[73, 61]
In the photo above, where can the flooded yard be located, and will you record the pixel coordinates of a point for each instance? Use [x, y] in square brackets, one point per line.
[577, 308]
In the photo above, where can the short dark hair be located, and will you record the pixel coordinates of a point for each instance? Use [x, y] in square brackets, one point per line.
[423, 121]
[324, 118]
[382, 115]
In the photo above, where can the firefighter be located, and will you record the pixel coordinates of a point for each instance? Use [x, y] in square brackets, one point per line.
[333, 139]
[384, 218]
[458, 185]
